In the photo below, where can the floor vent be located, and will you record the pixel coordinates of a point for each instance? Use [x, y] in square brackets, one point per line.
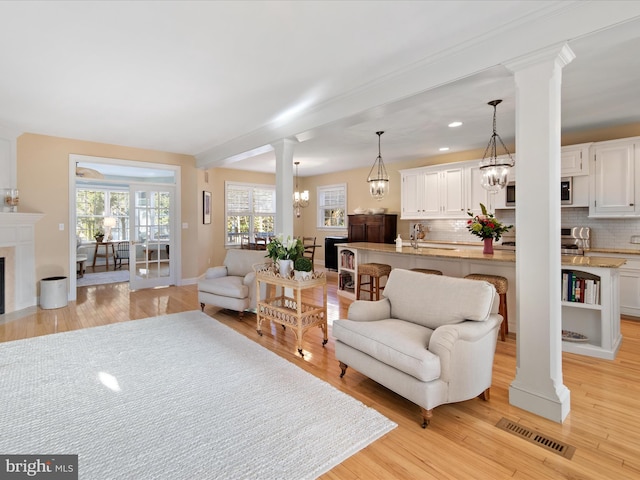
[532, 436]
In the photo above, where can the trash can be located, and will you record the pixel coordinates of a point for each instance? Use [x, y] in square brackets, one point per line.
[53, 292]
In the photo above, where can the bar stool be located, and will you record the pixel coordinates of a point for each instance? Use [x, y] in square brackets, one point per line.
[501, 285]
[375, 271]
[427, 270]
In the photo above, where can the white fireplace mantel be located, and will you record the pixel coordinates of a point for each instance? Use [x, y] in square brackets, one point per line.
[17, 230]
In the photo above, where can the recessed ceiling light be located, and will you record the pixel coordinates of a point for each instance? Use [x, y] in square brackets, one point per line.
[455, 124]
[444, 149]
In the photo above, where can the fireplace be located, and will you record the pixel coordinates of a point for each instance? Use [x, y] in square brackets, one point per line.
[17, 248]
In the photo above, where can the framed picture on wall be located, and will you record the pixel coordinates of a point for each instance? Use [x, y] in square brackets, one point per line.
[206, 207]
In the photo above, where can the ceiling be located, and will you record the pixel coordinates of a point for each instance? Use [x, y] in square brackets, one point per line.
[223, 80]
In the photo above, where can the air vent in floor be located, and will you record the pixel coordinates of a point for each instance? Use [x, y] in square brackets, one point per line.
[532, 436]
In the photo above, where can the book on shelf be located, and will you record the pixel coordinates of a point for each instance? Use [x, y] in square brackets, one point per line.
[580, 287]
[347, 259]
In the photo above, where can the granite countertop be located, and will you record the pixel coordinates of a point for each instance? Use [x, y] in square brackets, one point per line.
[619, 251]
[476, 254]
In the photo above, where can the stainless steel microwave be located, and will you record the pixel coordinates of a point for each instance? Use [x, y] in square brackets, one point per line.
[566, 192]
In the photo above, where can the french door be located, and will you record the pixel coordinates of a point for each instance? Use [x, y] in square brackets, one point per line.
[151, 263]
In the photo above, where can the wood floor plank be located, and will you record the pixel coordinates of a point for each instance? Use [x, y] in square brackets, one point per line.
[462, 440]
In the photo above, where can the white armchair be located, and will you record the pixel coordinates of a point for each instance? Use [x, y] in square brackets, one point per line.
[431, 339]
[81, 257]
[233, 284]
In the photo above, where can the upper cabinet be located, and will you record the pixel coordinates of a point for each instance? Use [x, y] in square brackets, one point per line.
[614, 179]
[373, 228]
[476, 193]
[433, 192]
[574, 160]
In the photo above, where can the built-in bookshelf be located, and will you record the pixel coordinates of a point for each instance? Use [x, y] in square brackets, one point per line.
[591, 311]
[347, 266]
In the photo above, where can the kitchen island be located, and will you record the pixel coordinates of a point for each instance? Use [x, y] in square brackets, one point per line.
[593, 328]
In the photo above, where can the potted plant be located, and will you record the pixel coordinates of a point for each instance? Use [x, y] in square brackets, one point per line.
[302, 268]
[285, 252]
[99, 236]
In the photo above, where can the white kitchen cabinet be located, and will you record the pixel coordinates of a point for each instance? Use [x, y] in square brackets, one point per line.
[629, 282]
[433, 192]
[574, 160]
[614, 179]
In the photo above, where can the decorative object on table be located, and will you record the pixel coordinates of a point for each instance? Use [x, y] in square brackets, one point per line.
[284, 253]
[109, 223]
[300, 199]
[487, 227]
[495, 170]
[359, 211]
[377, 211]
[206, 207]
[302, 268]
[378, 181]
[99, 236]
[11, 200]
[399, 243]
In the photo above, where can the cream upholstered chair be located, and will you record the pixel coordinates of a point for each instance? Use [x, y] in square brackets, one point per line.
[81, 257]
[233, 284]
[431, 338]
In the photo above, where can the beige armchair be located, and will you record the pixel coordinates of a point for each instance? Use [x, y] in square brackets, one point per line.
[233, 284]
[431, 339]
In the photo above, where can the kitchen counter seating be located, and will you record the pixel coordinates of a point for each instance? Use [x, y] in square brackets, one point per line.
[421, 340]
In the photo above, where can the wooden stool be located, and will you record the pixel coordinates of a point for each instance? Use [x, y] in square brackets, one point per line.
[427, 270]
[375, 271]
[501, 285]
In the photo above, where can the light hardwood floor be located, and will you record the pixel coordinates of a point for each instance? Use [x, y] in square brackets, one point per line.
[462, 440]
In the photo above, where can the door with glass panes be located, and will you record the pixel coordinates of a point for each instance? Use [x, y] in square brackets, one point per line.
[152, 235]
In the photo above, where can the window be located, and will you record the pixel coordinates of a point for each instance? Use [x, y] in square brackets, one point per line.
[332, 205]
[94, 205]
[250, 211]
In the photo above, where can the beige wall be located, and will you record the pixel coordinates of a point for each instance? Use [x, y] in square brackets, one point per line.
[358, 193]
[217, 177]
[43, 180]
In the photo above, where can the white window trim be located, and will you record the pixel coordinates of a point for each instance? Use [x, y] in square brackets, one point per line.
[227, 184]
[320, 213]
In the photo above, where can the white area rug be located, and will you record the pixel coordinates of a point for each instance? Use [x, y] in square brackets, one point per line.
[102, 278]
[175, 397]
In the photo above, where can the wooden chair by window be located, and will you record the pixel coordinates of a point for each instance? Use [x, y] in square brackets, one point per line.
[261, 243]
[309, 244]
[244, 242]
[122, 253]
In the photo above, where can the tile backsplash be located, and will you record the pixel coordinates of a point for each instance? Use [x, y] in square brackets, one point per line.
[605, 232]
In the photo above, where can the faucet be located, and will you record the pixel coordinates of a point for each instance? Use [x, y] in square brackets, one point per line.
[414, 236]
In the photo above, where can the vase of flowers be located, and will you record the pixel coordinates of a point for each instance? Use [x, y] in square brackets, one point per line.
[284, 253]
[487, 227]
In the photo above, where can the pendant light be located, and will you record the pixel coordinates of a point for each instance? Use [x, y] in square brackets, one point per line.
[300, 199]
[495, 171]
[378, 183]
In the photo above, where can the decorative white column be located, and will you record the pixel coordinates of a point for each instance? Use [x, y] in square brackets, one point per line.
[284, 186]
[538, 385]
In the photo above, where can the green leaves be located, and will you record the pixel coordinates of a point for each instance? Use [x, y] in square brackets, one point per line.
[486, 225]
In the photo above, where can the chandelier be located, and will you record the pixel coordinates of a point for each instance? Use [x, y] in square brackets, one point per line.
[300, 199]
[495, 170]
[378, 184]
